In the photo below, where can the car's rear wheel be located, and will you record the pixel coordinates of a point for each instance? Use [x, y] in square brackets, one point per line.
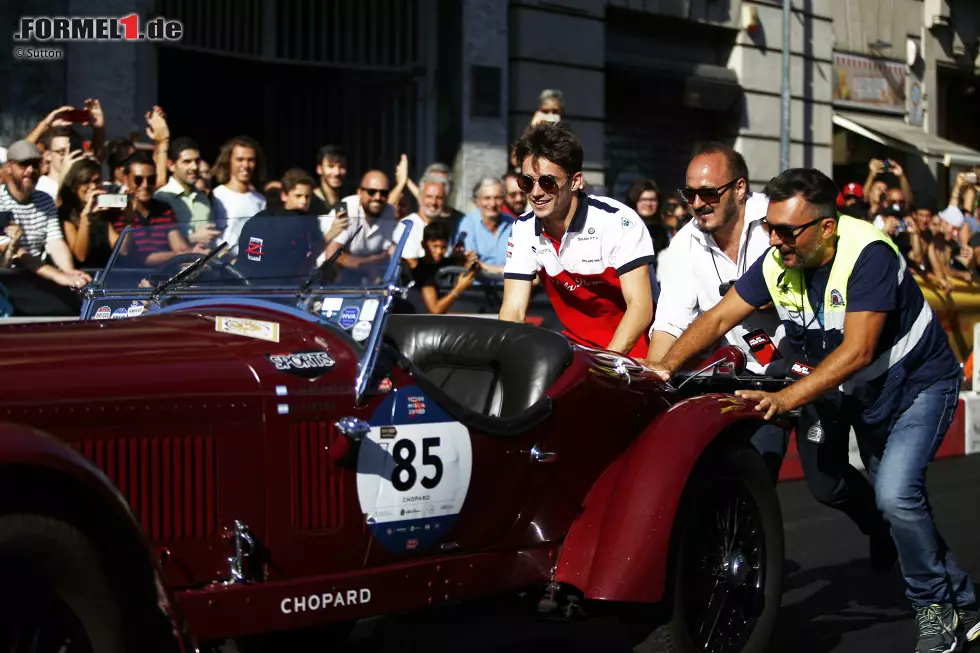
[727, 560]
[54, 595]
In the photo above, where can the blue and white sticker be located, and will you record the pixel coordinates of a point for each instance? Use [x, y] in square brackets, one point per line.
[413, 472]
[348, 317]
[120, 313]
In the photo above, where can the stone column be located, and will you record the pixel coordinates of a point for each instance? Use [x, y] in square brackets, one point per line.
[483, 149]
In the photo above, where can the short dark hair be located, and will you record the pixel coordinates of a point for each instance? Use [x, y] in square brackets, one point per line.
[332, 152]
[139, 156]
[53, 132]
[639, 187]
[180, 145]
[734, 159]
[816, 188]
[296, 177]
[554, 142]
[116, 153]
[436, 230]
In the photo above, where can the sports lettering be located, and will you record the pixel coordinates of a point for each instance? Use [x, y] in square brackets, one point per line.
[314, 602]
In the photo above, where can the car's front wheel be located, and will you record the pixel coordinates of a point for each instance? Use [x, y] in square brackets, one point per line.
[726, 561]
[54, 595]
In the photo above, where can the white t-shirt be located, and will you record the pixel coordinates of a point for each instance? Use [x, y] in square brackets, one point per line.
[233, 210]
[46, 184]
[413, 247]
[375, 236]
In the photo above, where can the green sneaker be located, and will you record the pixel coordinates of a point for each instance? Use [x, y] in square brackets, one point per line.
[937, 629]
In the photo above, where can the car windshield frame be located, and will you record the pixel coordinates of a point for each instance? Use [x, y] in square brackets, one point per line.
[296, 303]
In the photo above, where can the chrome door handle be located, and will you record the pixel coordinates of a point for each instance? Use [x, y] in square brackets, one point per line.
[539, 456]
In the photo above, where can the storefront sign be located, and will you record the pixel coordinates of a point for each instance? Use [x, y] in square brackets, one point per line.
[869, 83]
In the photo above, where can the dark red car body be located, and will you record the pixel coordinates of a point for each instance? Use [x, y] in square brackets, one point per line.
[170, 443]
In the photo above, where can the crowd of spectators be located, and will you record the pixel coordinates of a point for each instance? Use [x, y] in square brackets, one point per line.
[58, 231]
[942, 244]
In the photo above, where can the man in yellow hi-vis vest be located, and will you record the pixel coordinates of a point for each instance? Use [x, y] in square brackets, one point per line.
[870, 354]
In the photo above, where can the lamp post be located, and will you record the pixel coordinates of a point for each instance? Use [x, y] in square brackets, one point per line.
[784, 91]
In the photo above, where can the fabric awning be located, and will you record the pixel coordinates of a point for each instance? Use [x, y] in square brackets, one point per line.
[895, 133]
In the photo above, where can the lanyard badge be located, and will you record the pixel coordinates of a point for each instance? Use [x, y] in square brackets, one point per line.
[761, 346]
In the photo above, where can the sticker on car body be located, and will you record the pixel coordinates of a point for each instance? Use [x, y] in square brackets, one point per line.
[413, 472]
[249, 328]
[304, 364]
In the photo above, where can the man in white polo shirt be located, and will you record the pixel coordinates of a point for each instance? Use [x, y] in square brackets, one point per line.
[592, 254]
[432, 200]
[703, 261]
[371, 247]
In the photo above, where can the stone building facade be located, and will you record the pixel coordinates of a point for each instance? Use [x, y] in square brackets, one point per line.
[457, 81]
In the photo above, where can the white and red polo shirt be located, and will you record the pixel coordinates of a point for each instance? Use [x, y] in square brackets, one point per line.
[605, 240]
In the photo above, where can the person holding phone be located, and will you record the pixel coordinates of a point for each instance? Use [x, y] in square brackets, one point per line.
[84, 219]
[435, 241]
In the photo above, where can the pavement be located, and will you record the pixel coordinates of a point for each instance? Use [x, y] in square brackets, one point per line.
[831, 603]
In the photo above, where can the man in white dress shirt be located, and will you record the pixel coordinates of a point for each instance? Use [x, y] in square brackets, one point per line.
[705, 258]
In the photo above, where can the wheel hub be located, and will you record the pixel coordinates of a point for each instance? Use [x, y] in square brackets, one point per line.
[736, 568]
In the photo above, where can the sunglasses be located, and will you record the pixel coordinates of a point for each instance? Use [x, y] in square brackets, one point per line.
[787, 233]
[708, 194]
[380, 192]
[548, 183]
[139, 179]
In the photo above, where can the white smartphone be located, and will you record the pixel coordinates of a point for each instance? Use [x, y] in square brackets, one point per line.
[111, 200]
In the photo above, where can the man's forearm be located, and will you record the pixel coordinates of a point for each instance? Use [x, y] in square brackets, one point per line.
[705, 331]
[635, 322]
[660, 344]
[61, 254]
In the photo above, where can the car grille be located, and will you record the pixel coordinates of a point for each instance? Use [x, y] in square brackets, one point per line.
[169, 482]
[317, 483]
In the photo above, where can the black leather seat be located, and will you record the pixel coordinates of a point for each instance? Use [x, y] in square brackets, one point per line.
[492, 375]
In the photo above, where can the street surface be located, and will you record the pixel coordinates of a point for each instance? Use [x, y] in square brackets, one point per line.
[832, 602]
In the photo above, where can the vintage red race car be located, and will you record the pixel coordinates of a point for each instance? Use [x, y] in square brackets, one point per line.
[213, 454]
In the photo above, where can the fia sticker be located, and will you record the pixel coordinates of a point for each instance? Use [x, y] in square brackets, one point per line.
[135, 310]
[257, 329]
[361, 331]
[348, 317]
[330, 306]
[119, 314]
[102, 313]
[254, 251]
[369, 310]
[305, 364]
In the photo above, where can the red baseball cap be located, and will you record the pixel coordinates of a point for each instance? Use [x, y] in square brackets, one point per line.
[853, 189]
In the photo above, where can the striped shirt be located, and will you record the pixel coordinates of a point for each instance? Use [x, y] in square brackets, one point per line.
[152, 233]
[38, 217]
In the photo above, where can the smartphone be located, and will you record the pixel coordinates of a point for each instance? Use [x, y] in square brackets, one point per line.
[888, 164]
[111, 200]
[550, 117]
[971, 177]
[75, 115]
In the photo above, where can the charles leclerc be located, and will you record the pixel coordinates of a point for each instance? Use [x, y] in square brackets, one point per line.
[592, 254]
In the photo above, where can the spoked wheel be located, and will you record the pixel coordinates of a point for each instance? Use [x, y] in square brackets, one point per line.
[54, 594]
[727, 560]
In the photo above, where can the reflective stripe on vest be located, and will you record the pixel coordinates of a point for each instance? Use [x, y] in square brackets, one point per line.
[788, 291]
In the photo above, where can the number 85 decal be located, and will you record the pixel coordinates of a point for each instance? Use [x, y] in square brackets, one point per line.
[404, 475]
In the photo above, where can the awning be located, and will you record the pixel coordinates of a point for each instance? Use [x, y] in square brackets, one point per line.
[895, 133]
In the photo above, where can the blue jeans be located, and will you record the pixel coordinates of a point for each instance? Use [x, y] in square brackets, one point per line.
[897, 469]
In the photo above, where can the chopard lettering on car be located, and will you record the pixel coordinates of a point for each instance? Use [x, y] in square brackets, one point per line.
[314, 602]
[305, 364]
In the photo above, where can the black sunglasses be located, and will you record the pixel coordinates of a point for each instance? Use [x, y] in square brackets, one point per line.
[139, 179]
[787, 233]
[548, 183]
[371, 192]
[708, 194]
